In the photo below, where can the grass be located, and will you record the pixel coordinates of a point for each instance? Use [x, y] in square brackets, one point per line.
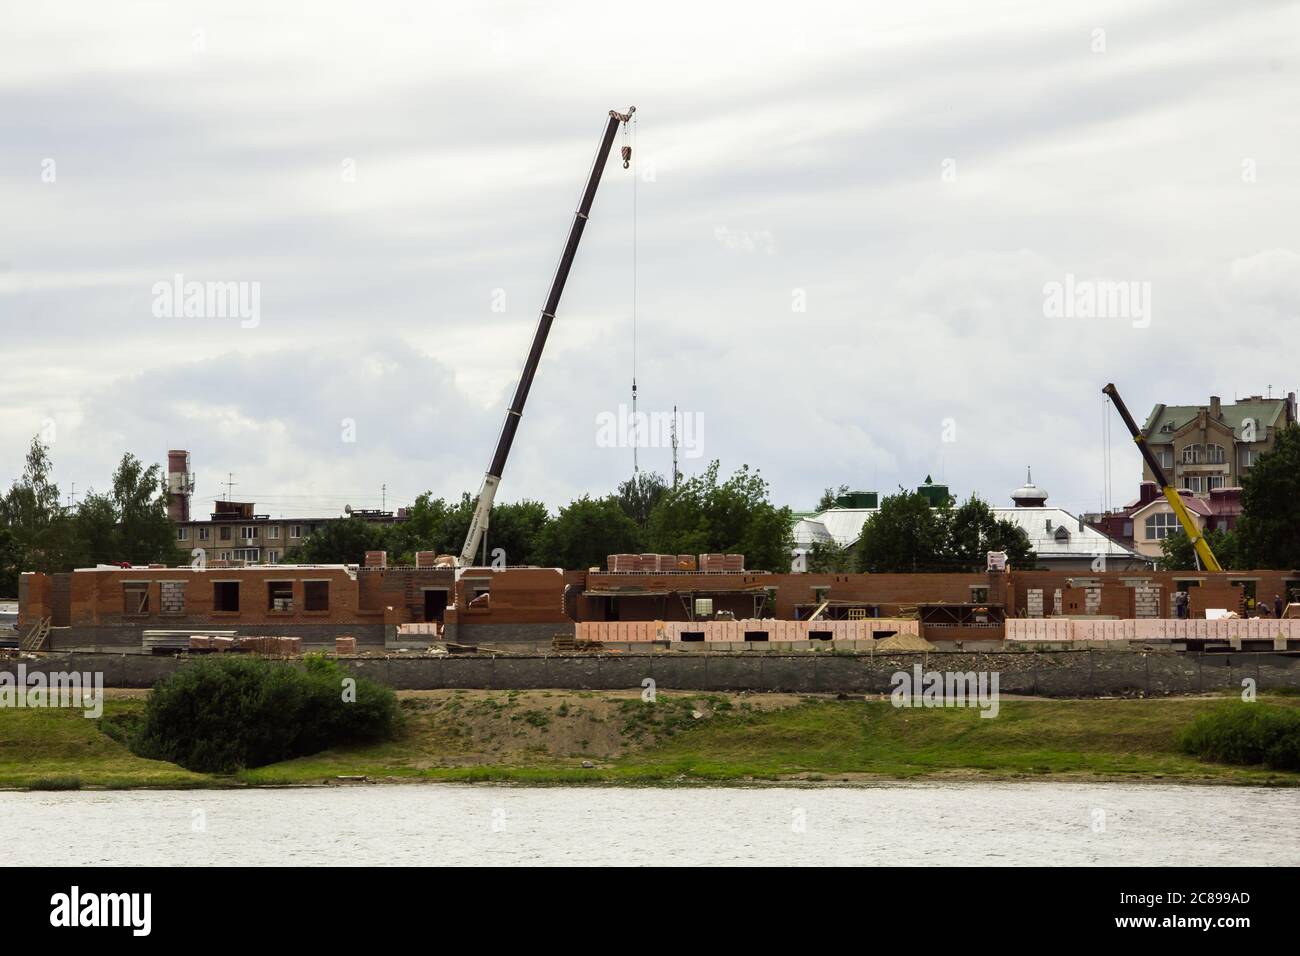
[50, 749]
[544, 738]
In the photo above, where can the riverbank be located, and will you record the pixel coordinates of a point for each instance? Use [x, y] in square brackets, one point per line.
[612, 737]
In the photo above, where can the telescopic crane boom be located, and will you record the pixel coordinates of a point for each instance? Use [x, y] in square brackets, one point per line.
[492, 480]
[1208, 561]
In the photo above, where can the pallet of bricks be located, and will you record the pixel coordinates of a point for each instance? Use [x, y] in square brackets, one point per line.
[722, 562]
[649, 563]
[271, 646]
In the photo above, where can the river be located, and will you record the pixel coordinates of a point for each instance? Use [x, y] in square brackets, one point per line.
[907, 824]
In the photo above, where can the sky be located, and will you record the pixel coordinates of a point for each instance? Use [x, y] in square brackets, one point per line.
[845, 240]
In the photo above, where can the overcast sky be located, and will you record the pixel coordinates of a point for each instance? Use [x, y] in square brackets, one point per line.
[847, 216]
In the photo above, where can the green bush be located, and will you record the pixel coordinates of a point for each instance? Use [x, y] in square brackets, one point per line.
[1245, 733]
[222, 714]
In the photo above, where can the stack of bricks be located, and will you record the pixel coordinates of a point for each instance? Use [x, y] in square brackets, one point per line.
[425, 559]
[733, 562]
[1092, 601]
[623, 563]
[268, 646]
[685, 562]
[345, 645]
[1146, 602]
[713, 562]
[376, 559]
[1056, 603]
[1034, 602]
[172, 596]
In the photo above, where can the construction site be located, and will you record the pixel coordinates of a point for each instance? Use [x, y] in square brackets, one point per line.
[643, 603]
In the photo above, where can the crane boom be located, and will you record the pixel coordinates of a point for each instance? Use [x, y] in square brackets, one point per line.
[1194, 535]
[492, 480]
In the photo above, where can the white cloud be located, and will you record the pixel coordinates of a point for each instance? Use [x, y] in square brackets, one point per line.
[793, 150]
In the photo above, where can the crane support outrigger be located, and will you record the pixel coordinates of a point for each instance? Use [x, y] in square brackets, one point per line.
[1202, 547]
[492, 480]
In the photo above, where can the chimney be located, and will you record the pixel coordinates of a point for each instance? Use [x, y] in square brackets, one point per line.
[180, 485]
[1147, 492]
[1216, 408]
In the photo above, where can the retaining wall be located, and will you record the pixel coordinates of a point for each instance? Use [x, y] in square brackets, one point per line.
[1045, 673]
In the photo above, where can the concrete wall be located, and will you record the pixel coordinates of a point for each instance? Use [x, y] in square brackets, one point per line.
[1046, 673]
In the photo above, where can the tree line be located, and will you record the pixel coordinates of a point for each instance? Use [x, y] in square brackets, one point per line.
[703, 514]
[127, 522]
[908, 535]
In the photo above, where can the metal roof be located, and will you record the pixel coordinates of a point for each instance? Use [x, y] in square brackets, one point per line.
[1052, 532]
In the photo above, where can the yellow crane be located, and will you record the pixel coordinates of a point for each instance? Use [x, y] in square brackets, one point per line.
[1202, 547]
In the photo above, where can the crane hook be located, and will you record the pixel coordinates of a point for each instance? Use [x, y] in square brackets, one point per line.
[627, 156]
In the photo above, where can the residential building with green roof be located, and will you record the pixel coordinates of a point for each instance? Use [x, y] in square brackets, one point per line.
[1206, 447]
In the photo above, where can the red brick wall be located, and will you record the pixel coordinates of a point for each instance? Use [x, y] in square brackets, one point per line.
[98, 599]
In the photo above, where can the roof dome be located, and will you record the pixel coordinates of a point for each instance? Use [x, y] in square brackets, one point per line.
[1029, 495]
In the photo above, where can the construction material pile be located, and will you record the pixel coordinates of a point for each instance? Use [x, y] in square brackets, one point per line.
[266, 646]
[662, 563]
[904, 642]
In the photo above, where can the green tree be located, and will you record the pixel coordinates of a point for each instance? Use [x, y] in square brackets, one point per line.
[586, 532]
[828, 497]
[41, 534]
[1268, 531]
[98, 538]
[735, 516]
[1177, 553]
[140, 499]
[343, 541]
[639, 495]
[973, 531]
[830, 558]
[513, 529]
[10, 563]
[905, 535]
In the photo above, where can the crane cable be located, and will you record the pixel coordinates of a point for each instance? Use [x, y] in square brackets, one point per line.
[1106, 453]
[635, 437]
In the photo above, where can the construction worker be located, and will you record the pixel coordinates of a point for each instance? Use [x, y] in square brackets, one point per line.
[1278, 606]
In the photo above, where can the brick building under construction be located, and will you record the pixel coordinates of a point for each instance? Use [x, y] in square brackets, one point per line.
[110, 608]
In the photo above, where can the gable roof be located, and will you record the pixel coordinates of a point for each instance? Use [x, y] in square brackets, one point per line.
[1196, 505]
[1265, 413]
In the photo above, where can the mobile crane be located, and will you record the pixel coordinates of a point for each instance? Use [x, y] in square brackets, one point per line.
[492, 480]
[1202, 547]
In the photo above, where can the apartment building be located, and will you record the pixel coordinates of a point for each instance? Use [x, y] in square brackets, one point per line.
[1203, 448]
[236, 533]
